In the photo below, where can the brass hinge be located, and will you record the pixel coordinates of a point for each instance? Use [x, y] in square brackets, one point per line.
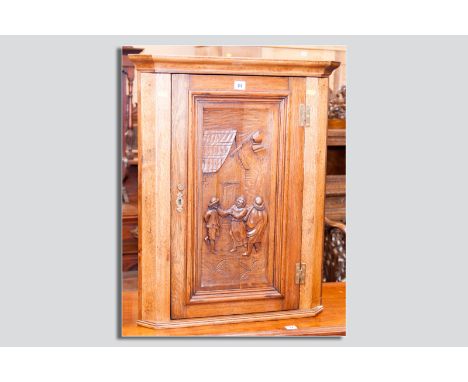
[300, 273]
[304, 115]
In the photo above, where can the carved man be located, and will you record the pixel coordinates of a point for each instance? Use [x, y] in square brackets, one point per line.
[238, 212]
[256, 221]
[212, 222]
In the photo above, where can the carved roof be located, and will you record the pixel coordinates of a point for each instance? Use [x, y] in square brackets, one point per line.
[216, 147]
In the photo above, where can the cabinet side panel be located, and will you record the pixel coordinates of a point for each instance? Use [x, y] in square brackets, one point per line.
[315, 151]
[293, 197]
[154, 196]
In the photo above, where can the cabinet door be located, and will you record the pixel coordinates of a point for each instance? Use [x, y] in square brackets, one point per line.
[236, 191]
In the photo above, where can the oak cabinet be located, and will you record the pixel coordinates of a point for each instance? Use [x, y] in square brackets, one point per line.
[232, 157]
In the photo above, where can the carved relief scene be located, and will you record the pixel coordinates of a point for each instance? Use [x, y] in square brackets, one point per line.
[238, 192]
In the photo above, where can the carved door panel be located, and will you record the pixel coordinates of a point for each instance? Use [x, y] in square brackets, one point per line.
[236, 180]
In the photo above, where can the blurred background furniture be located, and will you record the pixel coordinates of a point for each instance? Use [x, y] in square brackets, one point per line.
[334, 254]
[129, 163]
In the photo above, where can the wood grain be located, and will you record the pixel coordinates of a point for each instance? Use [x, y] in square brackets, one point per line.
[336, 185]
[233, 319]
[184, 132]
[253, 83]
[293, 196]
[154, 196]
[336, 137]
[180, 121]
[330, 322]
[314, 191]
[335, 202]
[242, 66]
[197, 291]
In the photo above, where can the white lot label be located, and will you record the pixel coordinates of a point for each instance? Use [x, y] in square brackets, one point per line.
[239, 85]
[290, 327]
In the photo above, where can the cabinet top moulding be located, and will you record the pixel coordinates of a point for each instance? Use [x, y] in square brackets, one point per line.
[229, 65]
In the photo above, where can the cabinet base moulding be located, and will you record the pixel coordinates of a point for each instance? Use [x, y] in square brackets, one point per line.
[233, 319]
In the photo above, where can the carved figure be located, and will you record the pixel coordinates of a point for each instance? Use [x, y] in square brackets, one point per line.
[238, 212]
[256, 221]
[212, 223]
